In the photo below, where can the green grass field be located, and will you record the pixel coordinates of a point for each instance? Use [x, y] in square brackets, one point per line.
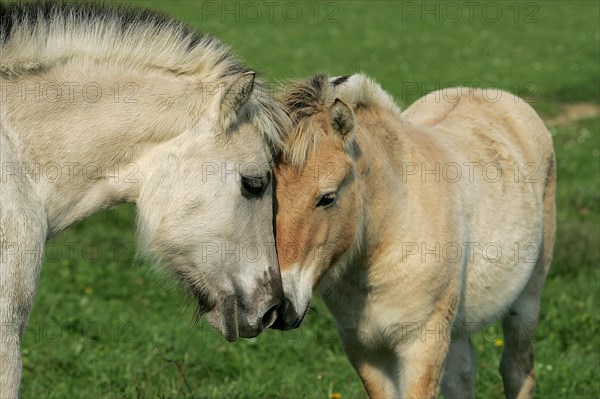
[104, 325]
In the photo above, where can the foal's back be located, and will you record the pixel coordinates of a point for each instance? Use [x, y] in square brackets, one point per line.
[504, 155]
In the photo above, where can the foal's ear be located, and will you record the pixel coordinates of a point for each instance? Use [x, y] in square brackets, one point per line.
[341, 117]
[235, 95]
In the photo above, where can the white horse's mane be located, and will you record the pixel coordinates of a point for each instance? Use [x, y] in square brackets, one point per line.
[36, 37]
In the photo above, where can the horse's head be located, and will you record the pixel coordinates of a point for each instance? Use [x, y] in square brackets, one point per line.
[318, 211]
[206, 212]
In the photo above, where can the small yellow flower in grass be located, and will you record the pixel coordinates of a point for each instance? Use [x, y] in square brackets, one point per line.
[498, 342]
[89, 290]
[336, 395]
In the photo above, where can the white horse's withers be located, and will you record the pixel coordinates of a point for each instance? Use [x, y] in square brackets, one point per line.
[103, 106]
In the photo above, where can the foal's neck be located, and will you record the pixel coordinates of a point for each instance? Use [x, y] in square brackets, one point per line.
[381, 147]
[83, 134]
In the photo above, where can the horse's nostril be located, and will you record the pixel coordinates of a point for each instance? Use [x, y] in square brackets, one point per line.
[269, 317]
[282, 314]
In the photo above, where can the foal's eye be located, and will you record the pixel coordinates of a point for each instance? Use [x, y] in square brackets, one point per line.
[326, 199]
[254, 186]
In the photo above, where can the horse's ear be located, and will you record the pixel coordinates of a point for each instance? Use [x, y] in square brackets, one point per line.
[235, 95]
[341, 117]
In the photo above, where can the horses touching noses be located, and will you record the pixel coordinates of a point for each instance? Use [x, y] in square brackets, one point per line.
[288, 317]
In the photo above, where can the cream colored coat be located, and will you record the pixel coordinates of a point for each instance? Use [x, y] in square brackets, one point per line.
[442, 222]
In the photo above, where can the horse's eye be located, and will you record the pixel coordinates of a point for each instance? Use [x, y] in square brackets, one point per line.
[326, 199]
[254, 186]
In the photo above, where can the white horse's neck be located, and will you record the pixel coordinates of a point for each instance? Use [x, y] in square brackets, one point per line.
[83, 136]
[86, 91]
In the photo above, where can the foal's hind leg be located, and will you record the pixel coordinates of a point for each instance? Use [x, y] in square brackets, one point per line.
[519, 325]
[458, 379]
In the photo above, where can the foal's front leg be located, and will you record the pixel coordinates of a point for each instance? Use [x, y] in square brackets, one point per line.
[409, 368]
[422, 358]
[409, 361]
[458, 381]
[376, 369]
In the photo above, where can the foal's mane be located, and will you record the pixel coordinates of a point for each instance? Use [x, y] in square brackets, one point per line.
[36, 37]
[310, 97]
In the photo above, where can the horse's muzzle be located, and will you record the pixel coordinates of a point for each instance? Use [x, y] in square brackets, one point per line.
[270, 316]
[287, 317]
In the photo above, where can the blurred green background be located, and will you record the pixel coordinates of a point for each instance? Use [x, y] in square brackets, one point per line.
[104, 325]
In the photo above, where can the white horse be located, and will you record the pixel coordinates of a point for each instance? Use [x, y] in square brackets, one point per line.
[102, 106]
[417, 228]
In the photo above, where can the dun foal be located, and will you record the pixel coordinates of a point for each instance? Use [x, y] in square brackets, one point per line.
[417, 229]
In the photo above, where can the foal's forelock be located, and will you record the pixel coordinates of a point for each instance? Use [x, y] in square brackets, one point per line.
[308, 102]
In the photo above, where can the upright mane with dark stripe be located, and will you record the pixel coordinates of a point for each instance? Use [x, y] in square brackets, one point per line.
[140, 37]
[304, 99]
[37, 37]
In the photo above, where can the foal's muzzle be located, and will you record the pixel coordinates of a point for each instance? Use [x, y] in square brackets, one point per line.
[287, 317]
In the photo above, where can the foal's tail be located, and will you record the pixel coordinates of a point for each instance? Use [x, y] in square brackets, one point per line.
[549, 214]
